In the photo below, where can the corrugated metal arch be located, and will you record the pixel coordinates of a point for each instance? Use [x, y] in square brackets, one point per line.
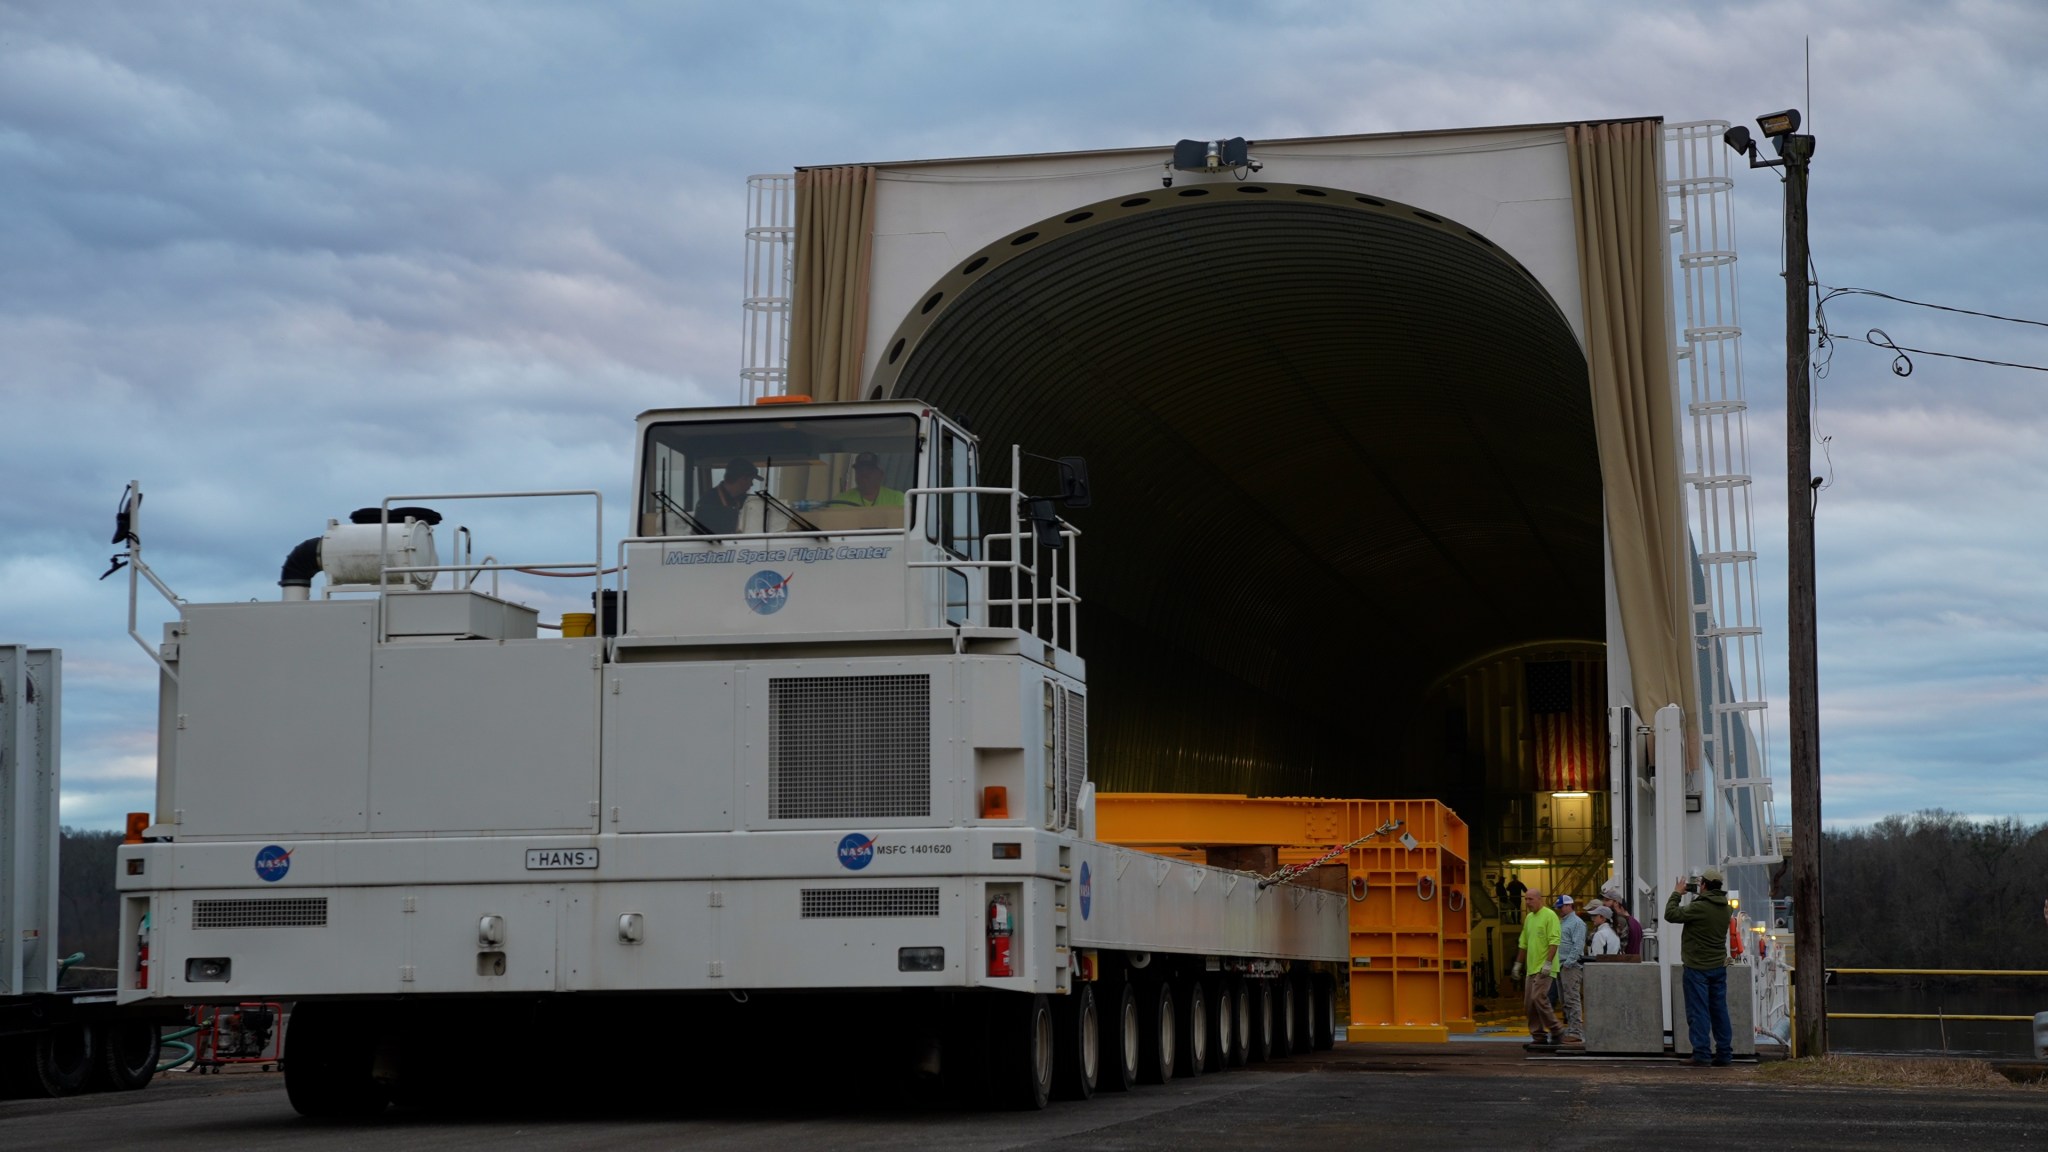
[1340, 446]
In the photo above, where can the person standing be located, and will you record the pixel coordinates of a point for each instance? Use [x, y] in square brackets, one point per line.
[1604, 942]
[1539, 942]
[1516, 890]
[1705, 952]
[1571, 969]
[1627, 928]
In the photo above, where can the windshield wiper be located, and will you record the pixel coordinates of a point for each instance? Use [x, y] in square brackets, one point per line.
[669, 505]
[794, 516]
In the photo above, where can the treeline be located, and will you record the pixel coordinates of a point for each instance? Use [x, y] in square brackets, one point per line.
[1936, 890]
[88, 911]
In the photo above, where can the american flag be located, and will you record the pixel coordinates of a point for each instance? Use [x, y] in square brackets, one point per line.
[1568, 711]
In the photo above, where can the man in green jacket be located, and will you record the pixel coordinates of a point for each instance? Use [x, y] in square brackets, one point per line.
[1539, 940]
[1705, 951]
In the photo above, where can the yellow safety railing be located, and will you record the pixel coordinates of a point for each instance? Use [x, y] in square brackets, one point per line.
[1944, 1016]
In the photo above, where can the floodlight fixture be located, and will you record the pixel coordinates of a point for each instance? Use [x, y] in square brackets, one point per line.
[1232, 155]
[1777, 124]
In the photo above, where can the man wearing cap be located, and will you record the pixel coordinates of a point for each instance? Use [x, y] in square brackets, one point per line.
[1539, 946]
[867, 490]
[1571, 968]
[718, 511]
[1705, 951]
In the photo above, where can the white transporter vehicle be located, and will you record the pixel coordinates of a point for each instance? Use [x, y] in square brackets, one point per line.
[823, 765]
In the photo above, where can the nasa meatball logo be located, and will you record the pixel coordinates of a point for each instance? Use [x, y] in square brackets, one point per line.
[856, 851]
[272, 863]
[767, 591]
[1087, 891]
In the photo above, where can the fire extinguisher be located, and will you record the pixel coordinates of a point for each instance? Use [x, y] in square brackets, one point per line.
[999, 937]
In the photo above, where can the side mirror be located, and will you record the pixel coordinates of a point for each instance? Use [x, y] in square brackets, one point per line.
[1045, 524]
[1074, 489]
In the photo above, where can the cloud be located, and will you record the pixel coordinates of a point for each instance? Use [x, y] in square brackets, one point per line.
[280, 262]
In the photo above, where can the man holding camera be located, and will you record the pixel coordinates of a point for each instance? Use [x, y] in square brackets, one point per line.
[1705, 951]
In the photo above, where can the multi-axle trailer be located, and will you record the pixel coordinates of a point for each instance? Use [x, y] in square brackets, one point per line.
[825, 745]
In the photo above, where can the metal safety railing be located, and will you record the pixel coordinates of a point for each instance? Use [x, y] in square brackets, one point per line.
[1060, 625]
[1941, 1017]
[385, 586]
[1833, 972]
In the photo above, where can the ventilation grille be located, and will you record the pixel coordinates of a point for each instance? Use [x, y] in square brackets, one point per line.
[280, 912]
[840, 903]
[1074, 727]
[849, 747]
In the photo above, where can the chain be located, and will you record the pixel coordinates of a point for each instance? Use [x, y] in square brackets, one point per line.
[1287, 873]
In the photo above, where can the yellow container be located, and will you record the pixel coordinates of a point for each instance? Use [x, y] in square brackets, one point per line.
[579, 623]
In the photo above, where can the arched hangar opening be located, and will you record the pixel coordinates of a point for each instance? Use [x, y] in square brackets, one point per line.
[1347, 487]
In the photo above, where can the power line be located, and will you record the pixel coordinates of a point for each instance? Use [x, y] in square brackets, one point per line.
[1834, 292]
[1904, 367]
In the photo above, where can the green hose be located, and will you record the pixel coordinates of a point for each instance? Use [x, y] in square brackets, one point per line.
[177, 1040]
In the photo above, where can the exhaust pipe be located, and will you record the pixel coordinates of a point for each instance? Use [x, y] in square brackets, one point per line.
[299, 569]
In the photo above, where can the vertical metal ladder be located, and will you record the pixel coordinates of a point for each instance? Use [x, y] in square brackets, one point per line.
[771, 244]
[1727, 629]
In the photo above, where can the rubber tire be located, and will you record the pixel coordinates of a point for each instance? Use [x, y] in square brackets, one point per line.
[1283, 1019]
[1222, 1024]
[1025, 1046]
[1240, 1052]
[1077, 1032]
[1190, 1027]
[1157, 1044]
[128, 1055]
[1323, 1026]
[1258, 1046]
[56, 1061]
[1120, 1044]
[330, 1063]
[1304, 1014]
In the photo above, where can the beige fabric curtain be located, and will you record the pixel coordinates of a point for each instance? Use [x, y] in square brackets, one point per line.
[1624, 286]
[835, 228]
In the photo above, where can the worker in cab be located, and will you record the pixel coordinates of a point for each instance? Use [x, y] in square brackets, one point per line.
[868, 490]
[718, 510]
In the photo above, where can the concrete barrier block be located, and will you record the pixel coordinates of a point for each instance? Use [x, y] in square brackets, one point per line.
[1624, 1009]
[1741, 1011]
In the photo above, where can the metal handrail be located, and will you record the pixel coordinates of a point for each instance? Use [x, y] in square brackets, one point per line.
[1944, 1016]
[1940, 972]
[386, 570]
[1923, 1016]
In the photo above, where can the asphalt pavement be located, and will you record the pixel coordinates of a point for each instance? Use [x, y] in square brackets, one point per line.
[1461, 1096]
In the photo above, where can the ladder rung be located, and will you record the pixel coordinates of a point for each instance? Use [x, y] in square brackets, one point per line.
[1740, 480]
[1712, 332]
[1726, 557]
[1716, 407]
[1739, 706]
[1735, 630]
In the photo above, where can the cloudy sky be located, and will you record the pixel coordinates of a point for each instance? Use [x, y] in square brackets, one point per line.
[280, 260]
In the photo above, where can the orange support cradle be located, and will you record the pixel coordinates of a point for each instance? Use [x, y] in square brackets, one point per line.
[1411, 920]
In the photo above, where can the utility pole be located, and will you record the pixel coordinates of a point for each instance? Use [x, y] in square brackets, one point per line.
[1802, 634]
[1809, 983]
